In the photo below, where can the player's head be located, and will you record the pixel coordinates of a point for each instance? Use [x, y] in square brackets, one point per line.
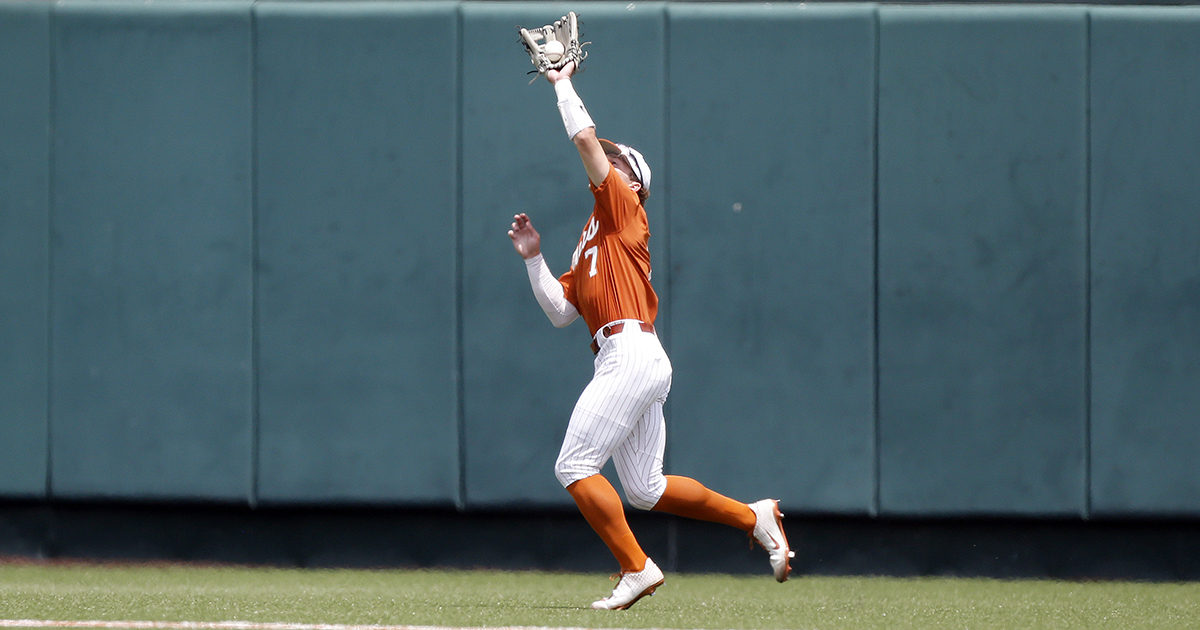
[631, 164]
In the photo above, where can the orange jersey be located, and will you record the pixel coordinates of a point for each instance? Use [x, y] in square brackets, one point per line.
[609, 277]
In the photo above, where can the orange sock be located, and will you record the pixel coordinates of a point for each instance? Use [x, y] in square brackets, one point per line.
[689, 498]
[602, 508]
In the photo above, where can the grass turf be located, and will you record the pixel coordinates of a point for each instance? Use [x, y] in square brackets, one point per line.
[495, 598]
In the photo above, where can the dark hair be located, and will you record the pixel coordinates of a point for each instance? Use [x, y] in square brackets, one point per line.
[643, 193]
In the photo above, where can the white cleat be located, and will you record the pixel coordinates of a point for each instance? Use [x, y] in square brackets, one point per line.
[768, 531]
[632, 587]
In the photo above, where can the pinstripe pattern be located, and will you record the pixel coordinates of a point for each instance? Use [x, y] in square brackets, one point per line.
[620, 415]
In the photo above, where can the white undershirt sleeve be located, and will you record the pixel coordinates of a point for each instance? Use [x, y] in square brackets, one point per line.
[574, 115]
[549, 292]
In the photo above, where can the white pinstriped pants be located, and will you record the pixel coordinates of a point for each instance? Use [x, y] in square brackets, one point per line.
[620, 415]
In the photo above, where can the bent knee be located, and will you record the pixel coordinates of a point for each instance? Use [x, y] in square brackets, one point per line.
[645, 497]
[641, 501]
[569, 471]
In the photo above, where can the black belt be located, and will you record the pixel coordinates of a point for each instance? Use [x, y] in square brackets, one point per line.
[613, 329]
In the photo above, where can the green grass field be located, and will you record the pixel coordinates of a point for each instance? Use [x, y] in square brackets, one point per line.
[87, 592]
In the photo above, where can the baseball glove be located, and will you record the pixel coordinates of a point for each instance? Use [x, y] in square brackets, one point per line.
[553, 46]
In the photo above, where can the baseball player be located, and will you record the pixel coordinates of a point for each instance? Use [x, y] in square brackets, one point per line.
[620, 412]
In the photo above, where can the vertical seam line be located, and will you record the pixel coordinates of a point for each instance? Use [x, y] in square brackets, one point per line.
[459, 385]
[51, 85]
[1087, 267]
[876, 506]
[665, 133]
[672, 525]
[255, 349]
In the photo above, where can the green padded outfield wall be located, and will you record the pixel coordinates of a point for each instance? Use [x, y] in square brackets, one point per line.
[151, 287]
[521, 376]
[771, 204]
[1145, 136]
[24, 246]
[982, 260]
[356, 109]
[256, 251]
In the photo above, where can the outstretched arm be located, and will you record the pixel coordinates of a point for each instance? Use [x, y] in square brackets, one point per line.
[546, 288]
[580, 127]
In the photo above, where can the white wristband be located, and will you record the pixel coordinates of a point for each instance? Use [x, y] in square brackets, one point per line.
[574, 115]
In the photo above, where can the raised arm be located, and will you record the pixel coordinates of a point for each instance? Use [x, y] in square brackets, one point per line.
[546, 288]
[579, 125]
